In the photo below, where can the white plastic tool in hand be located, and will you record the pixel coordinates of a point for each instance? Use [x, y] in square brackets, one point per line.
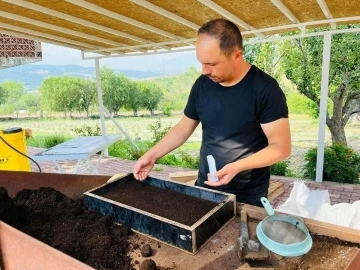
[212, 168]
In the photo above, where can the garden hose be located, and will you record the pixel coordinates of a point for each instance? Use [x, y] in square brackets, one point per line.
[20, 152]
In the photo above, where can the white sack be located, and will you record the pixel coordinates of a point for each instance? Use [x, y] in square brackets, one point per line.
[315, 204]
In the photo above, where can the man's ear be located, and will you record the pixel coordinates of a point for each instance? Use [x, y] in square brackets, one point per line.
[238, 54]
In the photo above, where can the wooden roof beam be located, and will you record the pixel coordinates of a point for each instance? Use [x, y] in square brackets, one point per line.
[326, 12]
[185, 41]
[59, 29]
[166, 13]
[73, 19]
[304, 24]
[280, 5]
[119, 17]
[139, 53]
[228, 15]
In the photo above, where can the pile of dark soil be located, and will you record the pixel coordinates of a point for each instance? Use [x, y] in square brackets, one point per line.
[68, 226]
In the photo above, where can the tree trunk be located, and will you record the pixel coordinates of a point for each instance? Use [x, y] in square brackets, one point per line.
[135, 113]
[337, 133]
[337, 123]
[152, 112]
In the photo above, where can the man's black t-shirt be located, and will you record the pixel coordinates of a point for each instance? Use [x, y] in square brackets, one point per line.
[231, 118]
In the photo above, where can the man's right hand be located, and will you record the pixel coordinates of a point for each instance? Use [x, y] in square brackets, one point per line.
[143, 167]
[176, 136]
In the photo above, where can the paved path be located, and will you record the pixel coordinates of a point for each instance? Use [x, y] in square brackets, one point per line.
[108, 166]
[339, 193]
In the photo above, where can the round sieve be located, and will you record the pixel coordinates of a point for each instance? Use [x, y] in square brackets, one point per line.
[284, 235]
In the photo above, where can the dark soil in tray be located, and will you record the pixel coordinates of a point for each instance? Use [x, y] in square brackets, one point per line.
[68, 226]
[165, 203]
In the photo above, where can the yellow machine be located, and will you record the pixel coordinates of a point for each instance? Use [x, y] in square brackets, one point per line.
[11, 160]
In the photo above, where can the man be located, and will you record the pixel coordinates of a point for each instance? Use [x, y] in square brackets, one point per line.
[243, 113]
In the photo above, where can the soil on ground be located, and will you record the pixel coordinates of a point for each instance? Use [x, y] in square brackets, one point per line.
[166, 203]
[68, 226]
[96, 240]
[326, 253]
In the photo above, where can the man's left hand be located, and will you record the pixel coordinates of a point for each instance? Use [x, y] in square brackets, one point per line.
[225, 175]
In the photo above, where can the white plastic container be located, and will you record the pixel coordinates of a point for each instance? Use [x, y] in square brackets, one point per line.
[212, 168]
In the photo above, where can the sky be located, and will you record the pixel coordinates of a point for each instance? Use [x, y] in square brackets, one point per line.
[57, 55]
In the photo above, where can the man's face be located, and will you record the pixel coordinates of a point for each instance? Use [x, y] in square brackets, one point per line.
[215, 64]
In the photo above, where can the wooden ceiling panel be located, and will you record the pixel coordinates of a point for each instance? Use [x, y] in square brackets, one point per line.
[47, 18]
[256, 13]
[190, 10]
[80, 24]
[141, 14]
[94, 17]
[348, 8]
[52, 32]
[305, 10]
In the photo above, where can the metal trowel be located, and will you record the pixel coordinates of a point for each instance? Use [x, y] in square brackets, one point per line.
[249, 249]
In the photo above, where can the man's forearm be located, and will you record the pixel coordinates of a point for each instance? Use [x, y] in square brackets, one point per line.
[265, 157]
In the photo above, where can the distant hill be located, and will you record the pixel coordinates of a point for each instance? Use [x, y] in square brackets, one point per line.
[33, 75]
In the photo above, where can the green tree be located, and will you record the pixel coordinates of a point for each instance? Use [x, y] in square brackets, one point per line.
[87, 95]
[268, 57]
[302, 64]
[114, 88]
[134, 98]
[251, 51]
[47, 93]
[151, 95]
[31, 101]
[3, 94]
[60, 93]
[7, 108]
[13, 92]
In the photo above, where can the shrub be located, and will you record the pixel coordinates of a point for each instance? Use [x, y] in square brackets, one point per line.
[341, 164]
[189, 161]
[167, 109]
[86, 130]
[299, 104]
[158, 131]
[281, 168]
[95, 117]
[53, 140]
[169, 159]
[125, 150]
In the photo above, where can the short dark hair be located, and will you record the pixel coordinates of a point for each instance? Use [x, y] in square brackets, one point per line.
[226, 31]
